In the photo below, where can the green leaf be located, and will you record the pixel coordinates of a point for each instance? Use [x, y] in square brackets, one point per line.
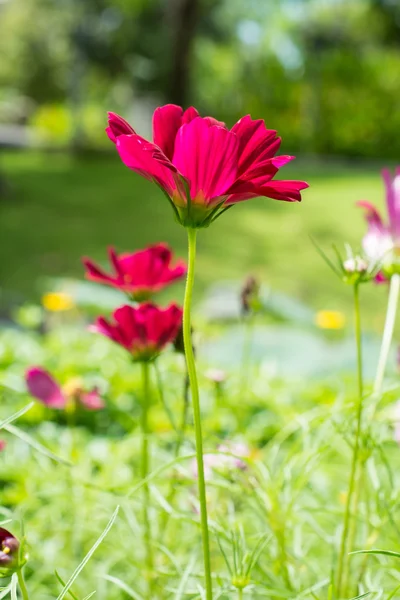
[385, 552]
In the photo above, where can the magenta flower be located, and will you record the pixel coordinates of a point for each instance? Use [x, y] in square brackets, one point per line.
[143, 330]
[381, 238]
[140, 274]
[202, 166]
[46, 389]
[9, 550]
[3, 445]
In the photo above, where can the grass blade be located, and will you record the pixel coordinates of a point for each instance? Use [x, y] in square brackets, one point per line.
[16, 415]
[88, 556]
[25, 437]
[123, 586]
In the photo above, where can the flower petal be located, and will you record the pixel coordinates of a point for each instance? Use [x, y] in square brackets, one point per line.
[147, 160]
[44, 387]
[117, 126]
[166, 122]
[256, 142]
[207, 157]
[288, 191]
[92, 400]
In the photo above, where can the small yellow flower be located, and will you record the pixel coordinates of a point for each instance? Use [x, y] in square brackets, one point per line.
[330, 319]
[343, 497]
[57, 301]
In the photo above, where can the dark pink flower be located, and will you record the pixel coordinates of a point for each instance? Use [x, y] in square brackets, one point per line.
[45, 388]
[382, 238]
[139, 274]
[143, 330]
[3, 445]
[9, 550]
[201, 165]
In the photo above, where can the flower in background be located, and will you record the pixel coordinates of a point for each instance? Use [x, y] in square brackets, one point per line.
[227, 462]
[9, 552]
[139, 274]
[57, 301]
[202, 166]
[381, 243]
[3, 445]
[330, 319]
[46, 389]
[143, 330]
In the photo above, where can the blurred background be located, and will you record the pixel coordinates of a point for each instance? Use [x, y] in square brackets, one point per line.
[324, 73]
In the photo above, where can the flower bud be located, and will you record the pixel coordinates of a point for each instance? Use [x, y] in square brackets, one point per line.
[9, 553]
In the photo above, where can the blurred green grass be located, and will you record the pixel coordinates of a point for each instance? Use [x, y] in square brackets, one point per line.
[59, 207]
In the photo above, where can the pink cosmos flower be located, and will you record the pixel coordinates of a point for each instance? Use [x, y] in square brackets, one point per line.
[202, 166]
[143, 330]
[140, 274]
[381, 238]
[46, 389]
[223, 462]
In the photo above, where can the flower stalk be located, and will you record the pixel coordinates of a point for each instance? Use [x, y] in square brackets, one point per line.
[344, 545]
[22, 585]
[388, 331]
[191, 366]
[145, 468]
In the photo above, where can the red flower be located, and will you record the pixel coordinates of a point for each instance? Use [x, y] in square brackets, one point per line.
[143, 330]
[201, 165]
[139, 274]
[46, 389]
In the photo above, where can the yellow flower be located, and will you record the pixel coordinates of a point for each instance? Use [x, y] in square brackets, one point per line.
[330, 319]
[57, 301]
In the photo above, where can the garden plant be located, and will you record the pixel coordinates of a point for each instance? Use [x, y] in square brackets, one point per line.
[137, 473]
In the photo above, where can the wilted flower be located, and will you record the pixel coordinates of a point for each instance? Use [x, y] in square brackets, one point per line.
[201, 165]
[250, 295]
[139, 274]
[143, 330]
[9, 552]
[46, 389]
[382, 241]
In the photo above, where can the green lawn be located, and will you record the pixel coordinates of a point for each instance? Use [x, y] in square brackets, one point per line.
[59, 208]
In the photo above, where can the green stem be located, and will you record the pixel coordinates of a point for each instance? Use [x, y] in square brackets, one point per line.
[344, 548]
[240, 593]
[387, 332]
[145, 468]
[22, 585]
[191, 367]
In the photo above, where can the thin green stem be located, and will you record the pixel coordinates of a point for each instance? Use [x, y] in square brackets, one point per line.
[191, 367]
[22, 585]
[240, 593]
[145, 468]
[344, 548]
[387, 332]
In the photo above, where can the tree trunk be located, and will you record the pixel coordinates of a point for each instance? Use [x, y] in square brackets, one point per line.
[182, 18]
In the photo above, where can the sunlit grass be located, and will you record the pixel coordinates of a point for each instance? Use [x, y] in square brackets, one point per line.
[59, 208]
